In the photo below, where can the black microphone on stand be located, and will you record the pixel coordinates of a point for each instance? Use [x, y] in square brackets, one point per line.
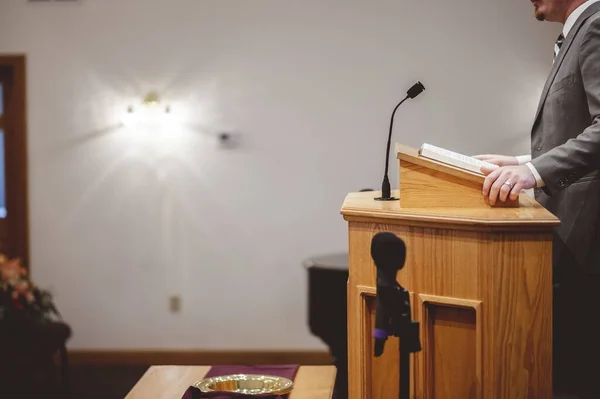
[392, 312]
[389, 253]
[386, 191]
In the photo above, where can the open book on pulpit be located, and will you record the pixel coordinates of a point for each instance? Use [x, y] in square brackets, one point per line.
[434, 177]
[453, 158]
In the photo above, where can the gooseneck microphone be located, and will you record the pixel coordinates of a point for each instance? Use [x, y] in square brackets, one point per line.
[389, 253]
[386, 191]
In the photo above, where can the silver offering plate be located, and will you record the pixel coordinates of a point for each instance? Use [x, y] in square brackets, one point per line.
[247, 384]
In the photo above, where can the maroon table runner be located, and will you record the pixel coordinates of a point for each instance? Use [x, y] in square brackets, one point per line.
[286, 371]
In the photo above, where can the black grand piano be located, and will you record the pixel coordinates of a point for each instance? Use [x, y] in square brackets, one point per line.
[327, 280]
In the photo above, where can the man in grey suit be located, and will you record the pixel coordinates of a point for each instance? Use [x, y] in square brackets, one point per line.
[564, 171]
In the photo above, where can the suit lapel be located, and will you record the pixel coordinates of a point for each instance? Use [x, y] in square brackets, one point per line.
[591, 10]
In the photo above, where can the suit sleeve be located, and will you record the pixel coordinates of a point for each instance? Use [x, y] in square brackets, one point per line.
[563, 165]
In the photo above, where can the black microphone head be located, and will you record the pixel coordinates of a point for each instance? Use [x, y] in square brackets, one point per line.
[415, 90]
[388, 251]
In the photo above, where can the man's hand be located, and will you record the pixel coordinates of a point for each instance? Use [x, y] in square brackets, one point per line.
[500, 182]
[500, 160]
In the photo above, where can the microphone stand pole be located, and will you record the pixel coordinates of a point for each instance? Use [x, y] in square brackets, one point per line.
[405, 329]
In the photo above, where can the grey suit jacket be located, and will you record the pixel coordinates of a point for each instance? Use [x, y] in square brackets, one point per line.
[566, 148]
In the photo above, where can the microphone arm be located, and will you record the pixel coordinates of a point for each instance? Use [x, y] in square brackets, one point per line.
[386, 190]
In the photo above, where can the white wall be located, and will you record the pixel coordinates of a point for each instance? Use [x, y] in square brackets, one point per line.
[120, 220]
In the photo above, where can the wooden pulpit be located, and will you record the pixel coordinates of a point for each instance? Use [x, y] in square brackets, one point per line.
[480, 285]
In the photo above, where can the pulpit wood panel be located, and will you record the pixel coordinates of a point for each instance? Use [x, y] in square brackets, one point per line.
[452, 338]
[492, 287]
[426, 183]
[384, 370]
[423, 187]
[519, 321]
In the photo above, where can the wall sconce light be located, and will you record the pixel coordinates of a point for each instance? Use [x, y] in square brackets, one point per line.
[149, 111]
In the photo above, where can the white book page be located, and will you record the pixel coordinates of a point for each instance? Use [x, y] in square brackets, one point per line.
[430, 151]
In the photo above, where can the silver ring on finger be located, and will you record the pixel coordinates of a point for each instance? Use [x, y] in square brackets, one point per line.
[509, 184]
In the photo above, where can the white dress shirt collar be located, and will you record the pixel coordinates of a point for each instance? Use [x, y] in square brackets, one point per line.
[572, 18]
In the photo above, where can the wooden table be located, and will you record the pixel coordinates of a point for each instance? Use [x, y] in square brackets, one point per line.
[171, 382]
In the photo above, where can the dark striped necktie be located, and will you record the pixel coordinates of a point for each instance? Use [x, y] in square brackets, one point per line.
[558, 45]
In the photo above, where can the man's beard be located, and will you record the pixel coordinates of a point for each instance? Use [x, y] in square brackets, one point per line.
[539, 15]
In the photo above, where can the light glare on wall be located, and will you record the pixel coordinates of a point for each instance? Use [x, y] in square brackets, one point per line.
[151, 112]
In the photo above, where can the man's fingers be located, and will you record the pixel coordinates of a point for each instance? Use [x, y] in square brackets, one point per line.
[487, 158]
[495, 189]
[505, 190]
[487, 170]
[489, 180]
[495, 185]
[516, 190]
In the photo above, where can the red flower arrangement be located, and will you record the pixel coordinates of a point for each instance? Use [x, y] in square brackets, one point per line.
[20, 299]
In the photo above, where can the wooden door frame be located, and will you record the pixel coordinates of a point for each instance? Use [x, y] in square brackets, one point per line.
[15, 146]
